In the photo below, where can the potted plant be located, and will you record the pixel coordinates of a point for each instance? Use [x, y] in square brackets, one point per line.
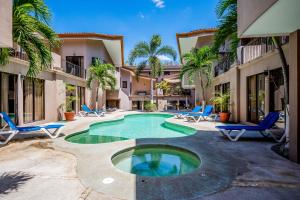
[222, 100]
[69, 114]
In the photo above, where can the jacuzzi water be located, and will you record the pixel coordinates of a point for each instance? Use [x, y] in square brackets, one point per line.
[132, 127]
[157, 161]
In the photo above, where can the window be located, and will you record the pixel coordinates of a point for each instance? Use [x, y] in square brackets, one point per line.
[33, 100]
[8, 96]
[124, 84]
[80, 97]
[256, 97]
[74, 65]
[167, 73]
[221, 89]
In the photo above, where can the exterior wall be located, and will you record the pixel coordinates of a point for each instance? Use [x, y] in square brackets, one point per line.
[232, 77]
[294, 96]
[141, 86]
[250, 11]
[85, 48]
[269, 61]
[55, 93]
[6, 39]
[204, 41]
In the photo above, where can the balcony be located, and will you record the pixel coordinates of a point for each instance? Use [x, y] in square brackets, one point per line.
[223, 66]
[74, 70]
[257, 48]
[18, 54]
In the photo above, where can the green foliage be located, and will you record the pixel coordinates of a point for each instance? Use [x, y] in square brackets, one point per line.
[165, 86]
[150, 107]
[222, 100]
[198, 62]
[69, 97]
[147, 53]
[104, 74]
[227, 29]
[32, 32]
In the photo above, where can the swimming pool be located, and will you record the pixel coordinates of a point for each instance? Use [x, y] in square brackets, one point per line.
[156, 161]
[135, 126]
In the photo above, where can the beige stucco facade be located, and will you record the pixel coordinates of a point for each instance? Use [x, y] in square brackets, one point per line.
[6, 23]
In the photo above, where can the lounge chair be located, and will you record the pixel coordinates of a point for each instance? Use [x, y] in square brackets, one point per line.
[181, 115]
[86, 111]
[263, 128]
[14, 130]
[197, 117]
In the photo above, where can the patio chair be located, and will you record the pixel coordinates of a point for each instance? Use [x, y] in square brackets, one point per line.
[14, 130]
[263, 128]
[197, 117]
[181, 115]
[86, 111]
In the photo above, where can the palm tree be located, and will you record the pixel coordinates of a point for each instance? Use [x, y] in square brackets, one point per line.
[33, 34]
[147, 54]
[198, 63]
[227, 29]
[101, 76]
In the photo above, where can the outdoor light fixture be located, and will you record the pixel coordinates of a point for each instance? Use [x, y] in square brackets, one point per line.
[108, 180]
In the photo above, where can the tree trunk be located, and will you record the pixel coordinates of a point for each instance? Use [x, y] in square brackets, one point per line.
[278, 46]
[94, 93]
[156, 92]
[152, 90]
[202, 86]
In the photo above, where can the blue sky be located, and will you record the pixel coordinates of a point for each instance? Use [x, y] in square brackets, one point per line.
[136, 20]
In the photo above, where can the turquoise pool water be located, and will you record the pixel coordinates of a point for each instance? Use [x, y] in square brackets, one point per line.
[132, 127]
[157, 161]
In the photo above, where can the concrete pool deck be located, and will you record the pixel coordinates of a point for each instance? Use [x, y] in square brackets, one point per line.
[56, 169]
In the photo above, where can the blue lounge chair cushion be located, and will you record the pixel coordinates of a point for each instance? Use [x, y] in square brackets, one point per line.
[195, 110]
[85, 108]
[37, 128]
[265, 124]
[12, 125]
[207, 111]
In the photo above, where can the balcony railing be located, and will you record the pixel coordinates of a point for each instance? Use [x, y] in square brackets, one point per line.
[18, 54]
[258, 47]
[223, 66]
[74, 70]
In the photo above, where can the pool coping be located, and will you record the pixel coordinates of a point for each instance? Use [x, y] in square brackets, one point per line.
[127, 186]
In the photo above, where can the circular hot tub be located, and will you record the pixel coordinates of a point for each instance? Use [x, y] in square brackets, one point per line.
[156, 161]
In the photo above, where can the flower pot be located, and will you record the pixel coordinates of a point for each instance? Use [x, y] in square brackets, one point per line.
[70, 116]
[224, 116]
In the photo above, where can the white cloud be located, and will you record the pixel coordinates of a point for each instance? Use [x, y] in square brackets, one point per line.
[159, 3]
[141, 15]
[164, 58]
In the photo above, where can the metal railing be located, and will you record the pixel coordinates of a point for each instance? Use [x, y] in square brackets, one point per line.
[258, 47]
[74, 70]
[223, 66]
[18, 54]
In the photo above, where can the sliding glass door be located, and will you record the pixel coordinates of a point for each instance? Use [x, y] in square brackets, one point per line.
[33, 100]
[8, 95]
[256, 97]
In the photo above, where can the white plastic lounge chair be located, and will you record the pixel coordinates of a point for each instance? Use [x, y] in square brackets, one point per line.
[86, 111]
[263, 128]
[14, 130]
[197, 117]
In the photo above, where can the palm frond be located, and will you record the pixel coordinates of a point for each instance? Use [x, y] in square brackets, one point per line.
[225, 5]
[155, 43]
[4, 56]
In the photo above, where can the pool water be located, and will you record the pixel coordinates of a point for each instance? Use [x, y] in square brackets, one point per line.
[132, 127]
[157, 161]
